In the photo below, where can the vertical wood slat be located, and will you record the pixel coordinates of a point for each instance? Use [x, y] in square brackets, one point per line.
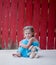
[13, 20]
[55, 32]
[0, 14]
[43, 22]
[51, 26]
[28, 12]
[55, 24]
[5, 24]
[21, 8]
[36, 17]
[0, 22]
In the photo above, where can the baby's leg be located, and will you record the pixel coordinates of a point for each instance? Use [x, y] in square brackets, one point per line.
[17, 54]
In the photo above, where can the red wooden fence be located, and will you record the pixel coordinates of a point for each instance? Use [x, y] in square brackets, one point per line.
[15, 14]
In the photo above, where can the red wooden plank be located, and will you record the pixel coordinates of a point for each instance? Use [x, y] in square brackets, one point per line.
[5, 23]
[55, 30]
[51, 26]
[55, 34]
[0, 20]
[28, 12]
[43, 22]
[55, 22]
[20, 22]
[13, 20]
[36, 17]
[0, 14]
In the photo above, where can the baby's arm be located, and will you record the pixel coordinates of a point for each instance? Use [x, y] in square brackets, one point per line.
[22, 45]
[29, 43]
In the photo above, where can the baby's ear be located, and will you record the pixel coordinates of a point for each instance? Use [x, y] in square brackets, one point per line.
[35, 34]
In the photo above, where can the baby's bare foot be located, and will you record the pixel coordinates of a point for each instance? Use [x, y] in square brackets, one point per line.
[16, 55]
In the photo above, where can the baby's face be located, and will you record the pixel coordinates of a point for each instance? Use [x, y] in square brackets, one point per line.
[28, 34]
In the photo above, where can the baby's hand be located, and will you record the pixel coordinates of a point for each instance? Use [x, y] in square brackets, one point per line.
[32, 39]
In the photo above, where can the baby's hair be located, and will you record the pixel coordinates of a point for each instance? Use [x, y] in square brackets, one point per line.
[30, 28]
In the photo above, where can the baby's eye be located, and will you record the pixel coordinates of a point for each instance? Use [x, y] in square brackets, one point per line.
[28, 33]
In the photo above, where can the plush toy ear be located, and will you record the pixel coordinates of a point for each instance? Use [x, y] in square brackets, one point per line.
[33, 49]
[36, 56]
[30, 47]
[37, 48]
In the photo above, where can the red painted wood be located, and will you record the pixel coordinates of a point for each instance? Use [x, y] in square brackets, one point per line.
[51, 26]
[5, 23]
[20, 22]
[13, 20]
[36, 17]
[55, 22]
[0, 14]
[55, 34]
[0, 20]
[55, 30]
[19, 13]
[43, 24]
[28, 12]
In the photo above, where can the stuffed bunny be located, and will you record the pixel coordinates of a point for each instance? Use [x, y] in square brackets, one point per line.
[34, 52]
